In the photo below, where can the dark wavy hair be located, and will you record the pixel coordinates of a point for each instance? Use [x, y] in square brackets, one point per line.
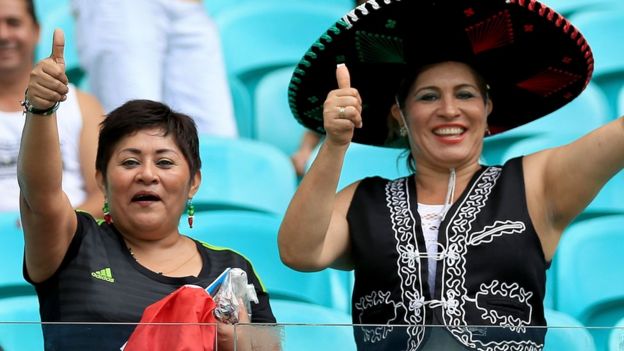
[137, 115]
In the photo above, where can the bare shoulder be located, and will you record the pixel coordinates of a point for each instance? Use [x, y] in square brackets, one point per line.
[89, 104]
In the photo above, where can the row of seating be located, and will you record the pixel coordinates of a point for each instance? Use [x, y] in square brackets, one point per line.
[261, 55]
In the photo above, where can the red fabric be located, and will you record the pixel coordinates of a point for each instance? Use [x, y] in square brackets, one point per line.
[188, 304]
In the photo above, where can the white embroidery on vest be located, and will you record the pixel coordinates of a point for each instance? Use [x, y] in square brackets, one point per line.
[459, 236]
[372, 300]
[507, 291]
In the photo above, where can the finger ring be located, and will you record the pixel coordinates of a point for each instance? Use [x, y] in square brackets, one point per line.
[341, 112]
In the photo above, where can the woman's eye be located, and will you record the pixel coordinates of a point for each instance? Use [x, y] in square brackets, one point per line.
[165, 163]
[465, 95]
[129, 163]
[427, 97]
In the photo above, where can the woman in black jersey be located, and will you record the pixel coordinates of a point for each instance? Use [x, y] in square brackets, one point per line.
[456, 244]
[108, 271]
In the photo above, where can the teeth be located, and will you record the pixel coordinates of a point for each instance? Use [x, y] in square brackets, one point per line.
[449, 131]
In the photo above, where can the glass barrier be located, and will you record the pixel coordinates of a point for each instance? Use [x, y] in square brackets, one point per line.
[26, 336]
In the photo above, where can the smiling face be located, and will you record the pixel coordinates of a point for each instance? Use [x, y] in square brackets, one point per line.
[446, 114]
[148, 182]
[19, 35]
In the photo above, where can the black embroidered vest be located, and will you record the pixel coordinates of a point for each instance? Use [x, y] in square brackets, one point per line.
[490, 266]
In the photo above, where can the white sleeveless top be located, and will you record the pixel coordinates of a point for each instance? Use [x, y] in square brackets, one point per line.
[69, 121]
[430, 219]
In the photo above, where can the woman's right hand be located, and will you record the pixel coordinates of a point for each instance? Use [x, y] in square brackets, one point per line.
[342, 110]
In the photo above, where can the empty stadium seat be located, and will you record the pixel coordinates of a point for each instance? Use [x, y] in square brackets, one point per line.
[571, 8]
[274, 122]
[259, 36]
[566, 333]
[254, 235]
[244, 174]
[242, 101]
[616, 339]
[25, 333]
[603, 31]
[363, 161]
[325, 329]
[587, 112]
[590, 287]
[12, 282]
[60, 16]
[621, 103]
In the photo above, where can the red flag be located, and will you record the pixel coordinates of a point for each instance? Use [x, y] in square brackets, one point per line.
[191, 305]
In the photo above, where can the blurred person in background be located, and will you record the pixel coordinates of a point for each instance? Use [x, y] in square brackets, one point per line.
[78, 117]
[161, 50]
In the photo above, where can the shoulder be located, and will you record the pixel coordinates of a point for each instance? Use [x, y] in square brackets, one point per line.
[224, 256]
[89, 104]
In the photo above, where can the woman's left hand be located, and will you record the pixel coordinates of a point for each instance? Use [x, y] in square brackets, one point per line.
[227, 335]
[48, 81]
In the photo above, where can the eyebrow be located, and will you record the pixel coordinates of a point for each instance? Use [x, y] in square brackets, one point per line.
[136, 151]
[436, 88]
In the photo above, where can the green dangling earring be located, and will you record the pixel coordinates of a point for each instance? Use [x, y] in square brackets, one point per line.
[107, 217]
[190, 211]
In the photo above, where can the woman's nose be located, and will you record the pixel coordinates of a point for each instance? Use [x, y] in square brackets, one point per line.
[449, 108]
[147, 174]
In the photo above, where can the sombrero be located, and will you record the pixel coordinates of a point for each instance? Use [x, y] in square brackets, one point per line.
[533, 59]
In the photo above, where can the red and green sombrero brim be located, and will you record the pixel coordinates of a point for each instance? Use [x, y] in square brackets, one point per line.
[534, 60]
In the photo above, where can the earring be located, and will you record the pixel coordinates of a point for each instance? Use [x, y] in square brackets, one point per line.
[107, 217]
[190, 211]
[487, 131]
[403, 131]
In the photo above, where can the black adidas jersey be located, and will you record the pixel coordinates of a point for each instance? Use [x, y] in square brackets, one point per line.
[100, 282]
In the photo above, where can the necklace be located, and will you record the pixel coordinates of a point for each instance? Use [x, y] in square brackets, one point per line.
[170, 270]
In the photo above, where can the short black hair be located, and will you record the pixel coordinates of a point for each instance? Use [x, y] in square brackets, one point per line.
[137, 115]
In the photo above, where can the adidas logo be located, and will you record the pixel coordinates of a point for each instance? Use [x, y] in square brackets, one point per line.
[104, 274]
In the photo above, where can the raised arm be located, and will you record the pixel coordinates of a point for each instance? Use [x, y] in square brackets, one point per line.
[92, 114]
[562, 181]
[314, 233]
[48, 218]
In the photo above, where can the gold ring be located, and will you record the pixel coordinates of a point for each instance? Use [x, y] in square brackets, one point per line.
[341, 112]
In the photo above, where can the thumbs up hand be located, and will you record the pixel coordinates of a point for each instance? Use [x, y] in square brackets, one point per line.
[48, 82]
[342, 109]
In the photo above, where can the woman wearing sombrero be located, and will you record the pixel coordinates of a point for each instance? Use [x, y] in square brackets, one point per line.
[457, 243]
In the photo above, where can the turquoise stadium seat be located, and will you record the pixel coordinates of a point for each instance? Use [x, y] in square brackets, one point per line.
[616, 339]
[585, 113]
[25, 333]
[363, 161]
[571, 8]
[12, 282]
[621, 103]
[566, 333]
[603, 31]
[254, 235]
[243, 112]
[275, 123]
[260, 36]
[590, 287]
[326, 329]
[244, 174]
[60, 15]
